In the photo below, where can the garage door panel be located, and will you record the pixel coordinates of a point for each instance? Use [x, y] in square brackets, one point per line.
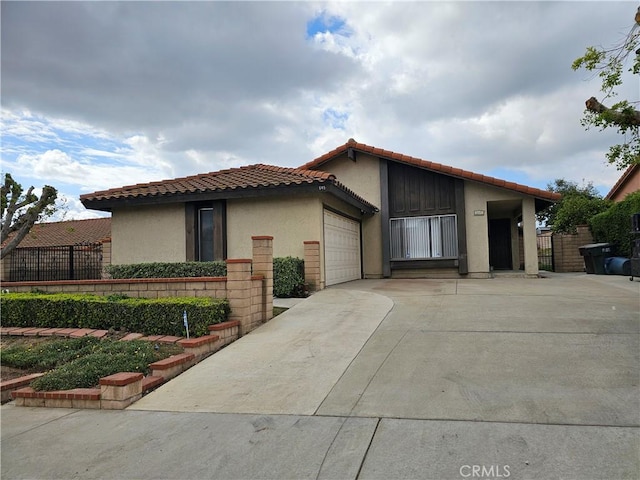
[341, 248]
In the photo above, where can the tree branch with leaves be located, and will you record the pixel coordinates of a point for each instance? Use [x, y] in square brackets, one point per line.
[610, 64]
[19, 211]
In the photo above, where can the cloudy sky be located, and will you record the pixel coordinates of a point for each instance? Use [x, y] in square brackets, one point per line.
[97, 95]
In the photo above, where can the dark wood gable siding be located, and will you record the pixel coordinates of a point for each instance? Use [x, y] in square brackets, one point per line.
[407, 191]
[415, 192]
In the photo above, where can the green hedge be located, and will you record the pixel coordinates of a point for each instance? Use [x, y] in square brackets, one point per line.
[288, 277]
[168, 270]
[614, 225]
[288, 273]
[149, 316]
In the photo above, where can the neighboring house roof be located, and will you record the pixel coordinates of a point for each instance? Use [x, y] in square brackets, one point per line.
[630, 174]
[71, 232]
[248, 181]
[435, 167]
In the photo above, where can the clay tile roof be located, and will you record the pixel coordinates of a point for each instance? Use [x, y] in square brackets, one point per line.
[234, 179]
[436, 167]
[252, 176]
[71, 232]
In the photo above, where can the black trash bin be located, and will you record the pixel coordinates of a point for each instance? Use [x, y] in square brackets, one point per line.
[594, 255]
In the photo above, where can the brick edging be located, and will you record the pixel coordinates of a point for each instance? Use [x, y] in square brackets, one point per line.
[167, 368]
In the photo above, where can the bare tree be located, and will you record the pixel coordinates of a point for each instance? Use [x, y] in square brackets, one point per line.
[20, 211]
[609, 64]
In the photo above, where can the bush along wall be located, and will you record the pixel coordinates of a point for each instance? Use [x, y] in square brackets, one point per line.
[168, 270]
[288, 277]
[162, 316]
[614, 225]
[288, 273]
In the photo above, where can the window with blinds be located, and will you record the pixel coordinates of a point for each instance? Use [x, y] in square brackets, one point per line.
[423, 238]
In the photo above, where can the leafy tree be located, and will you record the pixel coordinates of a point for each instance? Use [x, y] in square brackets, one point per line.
[577, 210]
[19, 211]
[577, 205]
[609, 64]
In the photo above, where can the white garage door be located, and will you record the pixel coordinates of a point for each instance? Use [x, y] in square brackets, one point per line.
[341, 248]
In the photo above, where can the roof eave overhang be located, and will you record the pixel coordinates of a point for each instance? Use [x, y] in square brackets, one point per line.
[108, 205]
[365, 208]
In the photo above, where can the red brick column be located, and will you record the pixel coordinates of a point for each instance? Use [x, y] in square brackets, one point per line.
[239, 292]
[263, 265]
[312, 265]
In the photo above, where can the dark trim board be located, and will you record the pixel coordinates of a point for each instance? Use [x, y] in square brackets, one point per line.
[190, 231]
[433, 263]
[463, 267]
[384, 218]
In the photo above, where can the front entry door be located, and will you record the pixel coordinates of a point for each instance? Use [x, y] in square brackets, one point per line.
[500, 244]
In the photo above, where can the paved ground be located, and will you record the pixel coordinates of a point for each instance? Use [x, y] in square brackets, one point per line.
[287, 366]
[433, 379]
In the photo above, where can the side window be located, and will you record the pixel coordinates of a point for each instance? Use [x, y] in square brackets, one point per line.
[205, 235]
[206, 231]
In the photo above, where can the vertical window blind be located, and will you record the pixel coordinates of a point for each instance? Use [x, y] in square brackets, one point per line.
[419, 238]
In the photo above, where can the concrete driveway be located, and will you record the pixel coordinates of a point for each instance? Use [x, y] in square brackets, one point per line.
[434, 379]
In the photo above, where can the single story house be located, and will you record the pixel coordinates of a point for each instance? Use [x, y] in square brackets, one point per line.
[375, 213]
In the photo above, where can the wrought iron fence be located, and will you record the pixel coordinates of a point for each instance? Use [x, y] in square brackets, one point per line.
[70, 262]
[545, 252]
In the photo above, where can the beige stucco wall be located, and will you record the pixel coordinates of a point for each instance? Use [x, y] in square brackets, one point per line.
[529, 235]
[289, 220]
[477, 197]
[148, 234]
[363, 177]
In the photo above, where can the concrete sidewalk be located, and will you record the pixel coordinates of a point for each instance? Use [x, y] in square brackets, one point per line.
[382, 379]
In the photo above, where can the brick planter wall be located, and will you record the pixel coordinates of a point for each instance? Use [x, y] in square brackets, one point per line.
[120, 390]
[214, 287]
[248, 286]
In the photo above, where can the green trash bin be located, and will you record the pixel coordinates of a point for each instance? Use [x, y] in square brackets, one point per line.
[594, 255]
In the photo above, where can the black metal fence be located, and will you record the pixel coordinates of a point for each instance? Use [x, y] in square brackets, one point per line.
[70, 262]
[545, 252]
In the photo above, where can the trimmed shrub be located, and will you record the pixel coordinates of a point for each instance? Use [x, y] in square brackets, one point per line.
[108, 358]
[288, 277]
[288, 273]
[48, 355]
[614, 225]
[168, 270]
[162, 316]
